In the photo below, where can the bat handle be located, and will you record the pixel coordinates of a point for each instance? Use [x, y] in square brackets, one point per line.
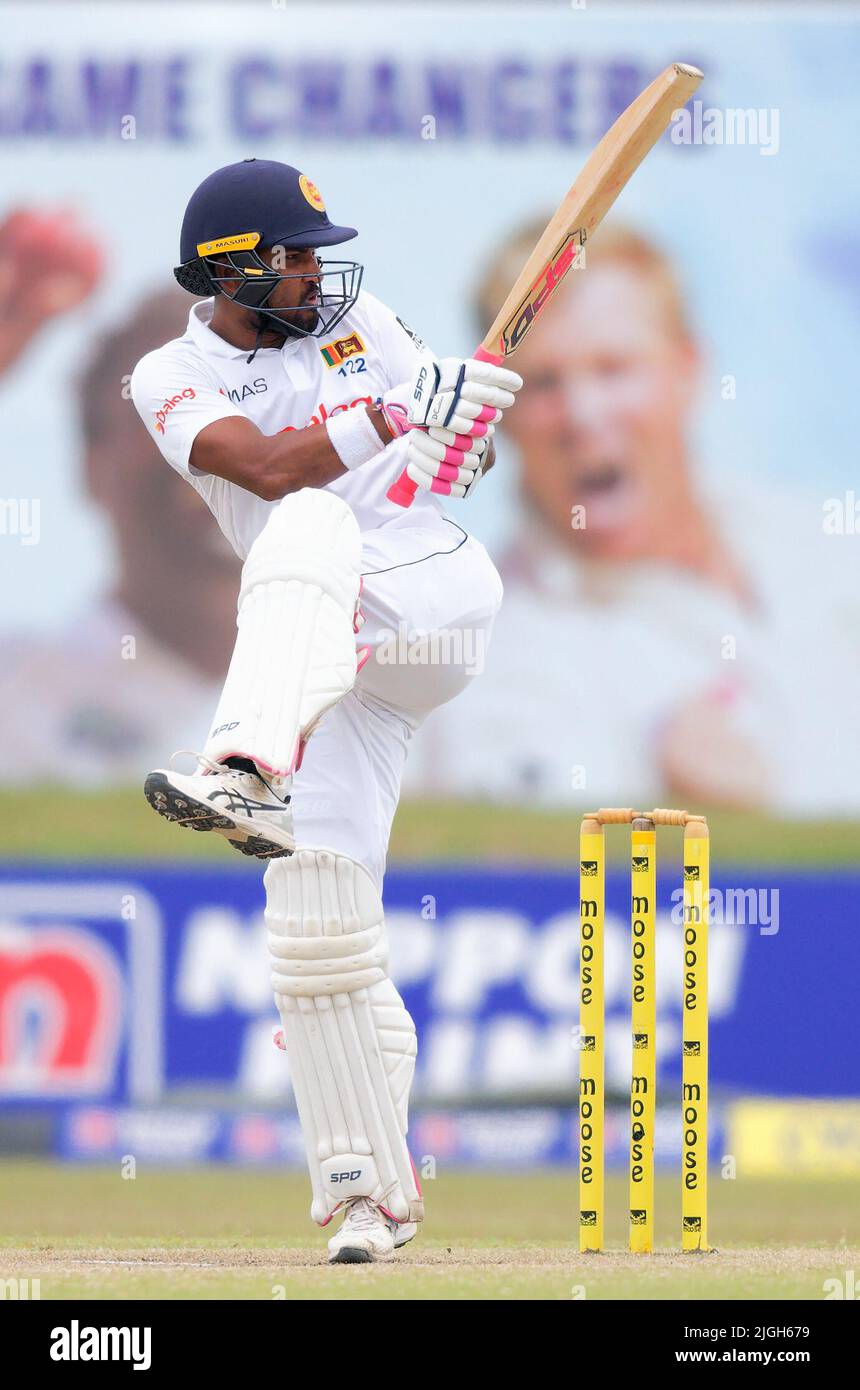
[403, 490]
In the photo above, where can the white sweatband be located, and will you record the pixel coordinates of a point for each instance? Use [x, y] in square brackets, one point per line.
[353, 437]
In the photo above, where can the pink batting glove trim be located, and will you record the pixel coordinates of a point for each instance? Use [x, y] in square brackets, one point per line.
[466, 441]
[394, 415]
[439, 485]
[448, 472]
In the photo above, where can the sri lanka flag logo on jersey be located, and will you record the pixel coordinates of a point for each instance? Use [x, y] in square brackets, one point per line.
[335, 353]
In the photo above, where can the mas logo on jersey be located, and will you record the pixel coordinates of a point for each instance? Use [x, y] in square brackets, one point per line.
[258, 387]
[312, 193]
[335, 353]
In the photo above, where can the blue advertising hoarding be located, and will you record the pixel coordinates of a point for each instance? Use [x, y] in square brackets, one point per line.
[138, 985]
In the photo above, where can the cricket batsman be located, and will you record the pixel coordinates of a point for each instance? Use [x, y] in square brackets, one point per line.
[291, 404]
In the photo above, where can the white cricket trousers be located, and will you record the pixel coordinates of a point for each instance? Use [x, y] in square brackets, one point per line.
[430, 598]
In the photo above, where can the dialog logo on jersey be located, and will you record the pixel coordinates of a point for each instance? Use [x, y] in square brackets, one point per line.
[323, 413]
[333, 354]
[170, 404]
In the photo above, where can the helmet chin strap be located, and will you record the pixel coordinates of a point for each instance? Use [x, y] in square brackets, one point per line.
[268, 323]
[263, 327]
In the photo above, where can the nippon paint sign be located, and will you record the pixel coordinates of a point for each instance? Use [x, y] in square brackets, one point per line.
[138, 984]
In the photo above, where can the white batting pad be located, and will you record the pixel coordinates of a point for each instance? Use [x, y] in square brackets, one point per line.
[350, 1042]
[295, 653]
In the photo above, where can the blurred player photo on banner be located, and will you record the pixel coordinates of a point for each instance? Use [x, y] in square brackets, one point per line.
[672, 623]
[681, 599]
[88, 703]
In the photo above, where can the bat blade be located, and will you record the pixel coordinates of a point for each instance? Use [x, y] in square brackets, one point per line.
[613, 162]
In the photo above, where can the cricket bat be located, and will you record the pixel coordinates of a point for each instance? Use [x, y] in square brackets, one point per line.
[583, 208]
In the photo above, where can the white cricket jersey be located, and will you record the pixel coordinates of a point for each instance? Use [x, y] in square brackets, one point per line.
[198, 378]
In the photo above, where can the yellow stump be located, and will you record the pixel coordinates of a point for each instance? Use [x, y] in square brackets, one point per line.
[643, 1018]
[592, 889]
[694, 1076]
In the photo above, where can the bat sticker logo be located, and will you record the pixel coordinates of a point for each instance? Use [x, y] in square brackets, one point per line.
[545, 285]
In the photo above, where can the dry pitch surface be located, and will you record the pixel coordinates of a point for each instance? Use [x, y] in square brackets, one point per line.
[220, 1233]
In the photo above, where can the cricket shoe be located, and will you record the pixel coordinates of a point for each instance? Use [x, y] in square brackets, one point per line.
[234, 803]
[368, 1235]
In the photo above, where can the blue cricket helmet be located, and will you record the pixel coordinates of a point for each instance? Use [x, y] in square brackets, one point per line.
[261, 203]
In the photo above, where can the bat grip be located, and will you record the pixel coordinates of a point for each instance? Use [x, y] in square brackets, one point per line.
[403, 490]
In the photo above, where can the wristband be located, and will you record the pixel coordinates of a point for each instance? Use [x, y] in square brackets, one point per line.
[353, 437]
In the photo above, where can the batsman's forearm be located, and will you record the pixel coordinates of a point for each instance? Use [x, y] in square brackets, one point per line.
[308, 458]
[300, 458]
[272, 466]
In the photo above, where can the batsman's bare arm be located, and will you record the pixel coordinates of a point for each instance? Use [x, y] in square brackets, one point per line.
[271, 466]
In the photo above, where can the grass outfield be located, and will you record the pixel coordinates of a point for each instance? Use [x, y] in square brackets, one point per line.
[223, 1234]
[69, 825]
